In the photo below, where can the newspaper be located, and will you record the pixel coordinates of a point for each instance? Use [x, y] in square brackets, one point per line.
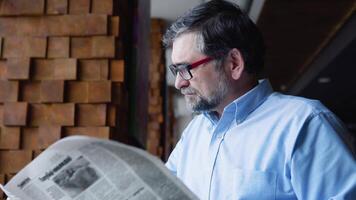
[85, 168]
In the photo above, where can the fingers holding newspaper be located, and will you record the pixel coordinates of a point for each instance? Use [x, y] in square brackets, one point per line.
[86, 168]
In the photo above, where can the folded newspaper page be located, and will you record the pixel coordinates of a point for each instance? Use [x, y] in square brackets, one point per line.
[85, 168]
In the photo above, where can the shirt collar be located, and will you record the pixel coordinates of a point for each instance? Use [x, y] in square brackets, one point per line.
[245, 104]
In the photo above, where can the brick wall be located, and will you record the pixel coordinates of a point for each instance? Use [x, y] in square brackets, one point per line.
[155, 128]
[60, 75]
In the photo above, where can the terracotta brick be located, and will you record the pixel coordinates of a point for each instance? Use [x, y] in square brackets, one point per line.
[58, 47]
[2, 69]
[81, 47]
[23, 26]
[55, 69]
[30, 47]
[79, 6]
[62, 114]
[22, 7]
[47, 135]
[1, 114]
[155, 77]
[151, 146]
[29, 138]
[93, 47]
[9, 137]
[111, 115]
[57, 7]
[58, 25]
[43, 69]
[0, 47]
[99, 132]
[66, 69]
[9, 91]
[18, 68]
[39, 114]
[15, 113]
[30, 91]
[102, 7]
[7, 27]
[77, 92]
[99, 91]
[91, 115]
[52, 115]
[155, 109]
[117, 72]
[93, 70]
[11, 165]
[2, 181]
[114, 28]
[77, 25]
[52, 91]
[152, 134]
[154, 126]
[103, 46]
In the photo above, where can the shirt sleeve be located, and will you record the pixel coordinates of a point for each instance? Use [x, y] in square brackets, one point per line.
[322, 165]
[174, 157]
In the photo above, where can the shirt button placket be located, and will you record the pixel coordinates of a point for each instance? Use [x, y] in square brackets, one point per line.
[217, 137]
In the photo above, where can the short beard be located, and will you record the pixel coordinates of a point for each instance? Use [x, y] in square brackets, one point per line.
[211, 102]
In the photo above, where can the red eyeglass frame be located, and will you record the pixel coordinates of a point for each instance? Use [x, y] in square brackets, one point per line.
[178, 68]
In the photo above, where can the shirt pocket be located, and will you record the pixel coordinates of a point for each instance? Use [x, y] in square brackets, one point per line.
[249, 184]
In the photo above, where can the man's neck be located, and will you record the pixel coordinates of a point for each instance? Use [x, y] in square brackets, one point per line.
[233, 95]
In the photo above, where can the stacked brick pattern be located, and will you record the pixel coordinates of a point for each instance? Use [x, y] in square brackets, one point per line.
[156, 86]
[59, 75]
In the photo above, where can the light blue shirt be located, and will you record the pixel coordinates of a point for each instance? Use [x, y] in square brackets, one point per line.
[266, 146]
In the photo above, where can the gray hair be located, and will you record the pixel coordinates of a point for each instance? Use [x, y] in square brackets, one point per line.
[219, 27]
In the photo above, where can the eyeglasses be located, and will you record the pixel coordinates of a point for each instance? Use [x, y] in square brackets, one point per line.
[184, 68]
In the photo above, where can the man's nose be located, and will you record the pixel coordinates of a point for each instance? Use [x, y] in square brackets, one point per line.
[180, 82]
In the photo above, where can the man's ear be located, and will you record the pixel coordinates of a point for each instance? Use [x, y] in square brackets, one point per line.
[237, 63]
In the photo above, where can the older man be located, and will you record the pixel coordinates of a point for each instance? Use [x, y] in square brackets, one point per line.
[249, 142]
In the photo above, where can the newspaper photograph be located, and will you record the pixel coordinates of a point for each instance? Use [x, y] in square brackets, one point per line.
[77, 177]
[85, 168]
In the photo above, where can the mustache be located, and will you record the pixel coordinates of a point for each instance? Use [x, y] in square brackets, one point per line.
[188, 90]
